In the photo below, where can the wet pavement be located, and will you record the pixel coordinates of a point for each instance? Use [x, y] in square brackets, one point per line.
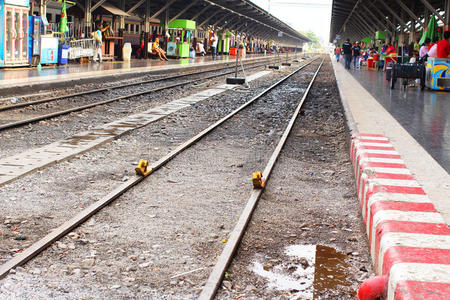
[424, 114]
[10, 76]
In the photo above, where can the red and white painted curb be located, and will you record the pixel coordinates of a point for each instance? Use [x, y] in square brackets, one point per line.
[409, 240]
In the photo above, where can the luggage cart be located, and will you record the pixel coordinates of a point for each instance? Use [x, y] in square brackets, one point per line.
[408, 71]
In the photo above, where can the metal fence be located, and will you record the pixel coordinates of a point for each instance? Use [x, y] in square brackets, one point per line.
[81, 48]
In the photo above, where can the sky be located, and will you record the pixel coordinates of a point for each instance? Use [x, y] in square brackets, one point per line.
[314, 15]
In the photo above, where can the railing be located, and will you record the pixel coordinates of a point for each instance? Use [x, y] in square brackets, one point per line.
[81, 48]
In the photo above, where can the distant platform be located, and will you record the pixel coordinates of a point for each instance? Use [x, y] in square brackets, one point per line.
[19, 77]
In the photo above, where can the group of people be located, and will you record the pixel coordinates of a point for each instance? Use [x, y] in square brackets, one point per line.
[436, 49]
[416, 53]
[350, 52]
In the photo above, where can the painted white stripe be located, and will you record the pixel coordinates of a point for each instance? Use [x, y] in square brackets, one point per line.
[387, 170]
[379, 181]
[417, 272]
[372, 182]
[370, 172]
[365, 137]
[383, 160]
[398, 215]
[373, 200]
[386, 145]
[374, 151]
[418, 240]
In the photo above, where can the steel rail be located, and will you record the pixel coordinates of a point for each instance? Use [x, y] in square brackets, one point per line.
[225, 258]
[57, 98]
[87, 106]
[95, 207]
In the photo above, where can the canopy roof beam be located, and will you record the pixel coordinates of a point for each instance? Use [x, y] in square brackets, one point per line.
[194, 18]
[392, 12]
[169, 3]
[135, 6]
[184, 10]
[97, 5]
[431, 8]
[410, 12]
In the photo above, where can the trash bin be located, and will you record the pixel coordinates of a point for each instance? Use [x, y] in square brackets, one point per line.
[63, 54]
[126, 52]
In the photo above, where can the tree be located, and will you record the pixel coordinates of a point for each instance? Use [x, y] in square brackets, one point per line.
[315, 44]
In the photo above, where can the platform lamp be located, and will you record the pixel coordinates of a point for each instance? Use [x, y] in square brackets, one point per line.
[236, 79]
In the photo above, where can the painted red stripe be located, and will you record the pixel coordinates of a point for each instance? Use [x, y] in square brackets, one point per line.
[375, 155]
[397, 205]
[374, 141]
[415, 190]
[387, 226]
[382, 176]
[390, 189]
[419, 290]
[402, 254]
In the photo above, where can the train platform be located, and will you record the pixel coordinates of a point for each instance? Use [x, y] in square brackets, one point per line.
[12, 79]
[403, 191]
[415, 122]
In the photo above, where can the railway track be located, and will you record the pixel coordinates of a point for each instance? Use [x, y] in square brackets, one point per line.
[231, 245]
[114, 99]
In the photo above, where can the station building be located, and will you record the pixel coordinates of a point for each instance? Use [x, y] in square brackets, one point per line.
[46, 32]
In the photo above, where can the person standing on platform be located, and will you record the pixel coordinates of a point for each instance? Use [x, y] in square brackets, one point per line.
[97, 35]
[356, 50]
[347, 49]
[337, 52]
[214, 41]
[443, 46]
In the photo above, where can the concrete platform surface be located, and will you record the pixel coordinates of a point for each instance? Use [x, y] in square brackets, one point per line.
[372, 117]
[15, 77]
[424, 114]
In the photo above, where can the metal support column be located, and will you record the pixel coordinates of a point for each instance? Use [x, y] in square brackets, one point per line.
[447, 15]
[43, 11]
[166, 28]
[146, 28]
[121, 28]
[88, 17]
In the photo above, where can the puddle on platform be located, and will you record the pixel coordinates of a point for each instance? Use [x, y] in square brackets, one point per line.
[309, 268]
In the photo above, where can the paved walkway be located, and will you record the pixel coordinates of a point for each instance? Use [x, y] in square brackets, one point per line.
[13, 77]
[424, 114]
[390, 117]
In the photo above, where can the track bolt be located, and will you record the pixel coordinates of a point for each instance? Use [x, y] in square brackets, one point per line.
[141, 169]
[258, 181]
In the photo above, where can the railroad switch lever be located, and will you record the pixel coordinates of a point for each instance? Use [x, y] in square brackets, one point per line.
[258, 181]
[141, 169]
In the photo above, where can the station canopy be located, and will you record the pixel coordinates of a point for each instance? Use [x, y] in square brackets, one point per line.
[358, 19]
[239, 16]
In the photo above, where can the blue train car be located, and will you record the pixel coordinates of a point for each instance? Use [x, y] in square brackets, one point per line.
[14, 32]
